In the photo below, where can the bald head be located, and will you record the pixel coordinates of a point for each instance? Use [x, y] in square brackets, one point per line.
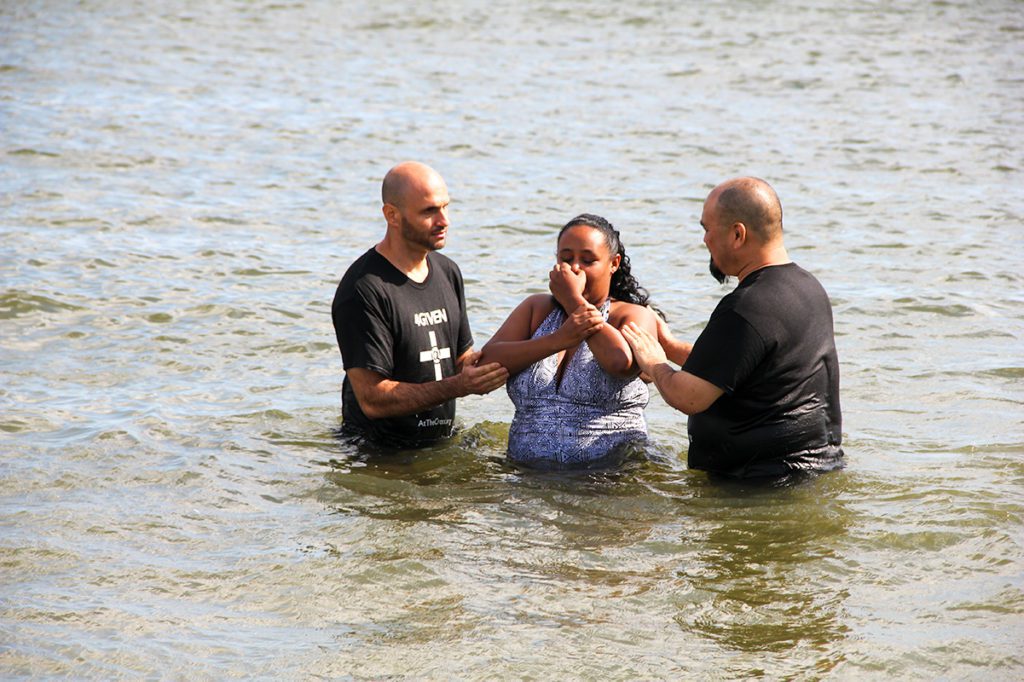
[407, 179]
[750, 201]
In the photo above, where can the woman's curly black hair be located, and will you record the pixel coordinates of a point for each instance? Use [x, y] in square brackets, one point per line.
[624, 286]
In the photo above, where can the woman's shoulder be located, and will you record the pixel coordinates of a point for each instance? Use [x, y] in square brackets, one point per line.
[537, 303]
[531, 311]
[540, 300]
[540, 306]
[622, 312]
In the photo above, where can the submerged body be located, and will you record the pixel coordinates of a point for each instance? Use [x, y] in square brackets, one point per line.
[580, 418]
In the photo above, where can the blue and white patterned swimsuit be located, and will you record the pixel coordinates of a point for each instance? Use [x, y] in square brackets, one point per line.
[579, 421]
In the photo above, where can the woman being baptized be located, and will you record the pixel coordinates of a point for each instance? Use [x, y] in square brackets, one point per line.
[577, 393]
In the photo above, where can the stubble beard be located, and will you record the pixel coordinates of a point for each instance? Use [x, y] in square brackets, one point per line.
[427, 241]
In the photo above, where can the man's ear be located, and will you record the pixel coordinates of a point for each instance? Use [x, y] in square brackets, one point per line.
[739, 234]
[391, 213]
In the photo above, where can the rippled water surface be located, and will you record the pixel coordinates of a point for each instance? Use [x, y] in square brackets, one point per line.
[182, 185]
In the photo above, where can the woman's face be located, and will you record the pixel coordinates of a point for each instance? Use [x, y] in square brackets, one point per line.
[583, 248]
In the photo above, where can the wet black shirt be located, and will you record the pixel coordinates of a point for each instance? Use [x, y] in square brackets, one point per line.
[770, 346]
[406, 331]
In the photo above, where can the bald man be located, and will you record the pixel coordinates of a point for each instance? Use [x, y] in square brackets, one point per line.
[761, 383]
[400, 318]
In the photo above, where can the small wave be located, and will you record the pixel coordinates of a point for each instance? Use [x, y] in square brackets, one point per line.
[261, 272]
[220, 220]
[955, 310]
[32, 152]
[1007, 372]
[14, 304]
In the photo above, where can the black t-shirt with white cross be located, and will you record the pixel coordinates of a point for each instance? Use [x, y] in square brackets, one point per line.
[405, 331]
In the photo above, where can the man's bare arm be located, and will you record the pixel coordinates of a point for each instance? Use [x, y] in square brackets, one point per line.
[684, 391]
[677, 351]
[381, 397]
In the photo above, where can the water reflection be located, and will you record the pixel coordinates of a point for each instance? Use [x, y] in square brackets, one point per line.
[767, 575]
[471, 475]
[757, 565]
[407, 485]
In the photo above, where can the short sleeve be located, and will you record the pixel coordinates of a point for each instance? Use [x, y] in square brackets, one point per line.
[364, 336]
[727, 352]
[465, 340]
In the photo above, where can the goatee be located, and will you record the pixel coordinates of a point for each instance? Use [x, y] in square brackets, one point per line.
[716, 273]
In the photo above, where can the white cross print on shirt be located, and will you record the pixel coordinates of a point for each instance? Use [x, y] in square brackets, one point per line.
[435, 355]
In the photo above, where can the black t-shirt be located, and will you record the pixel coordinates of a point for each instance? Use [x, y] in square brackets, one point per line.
[405, 331]
[770, 346]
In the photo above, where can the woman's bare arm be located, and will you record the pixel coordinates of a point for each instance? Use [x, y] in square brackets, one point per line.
[512, 347]
[610, 348]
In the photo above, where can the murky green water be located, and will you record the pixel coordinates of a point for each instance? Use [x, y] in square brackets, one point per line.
[182, 184]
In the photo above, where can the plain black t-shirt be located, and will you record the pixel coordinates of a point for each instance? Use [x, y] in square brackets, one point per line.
[770, 346]
[405, 331]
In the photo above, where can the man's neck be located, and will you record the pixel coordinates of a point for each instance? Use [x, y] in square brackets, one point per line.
[410, 262]
[775, 255]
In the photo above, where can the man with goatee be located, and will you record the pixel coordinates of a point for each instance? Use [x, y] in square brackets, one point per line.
[761, 382]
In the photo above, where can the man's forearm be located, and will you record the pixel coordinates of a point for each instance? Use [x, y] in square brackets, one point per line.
[399, 398]
[683, 391]
[678, 351]
[661, 374]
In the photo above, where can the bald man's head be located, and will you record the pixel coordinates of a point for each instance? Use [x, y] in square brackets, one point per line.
[405, 178]
[750, 201]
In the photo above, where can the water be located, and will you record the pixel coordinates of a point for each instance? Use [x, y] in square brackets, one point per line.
[182, 185]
